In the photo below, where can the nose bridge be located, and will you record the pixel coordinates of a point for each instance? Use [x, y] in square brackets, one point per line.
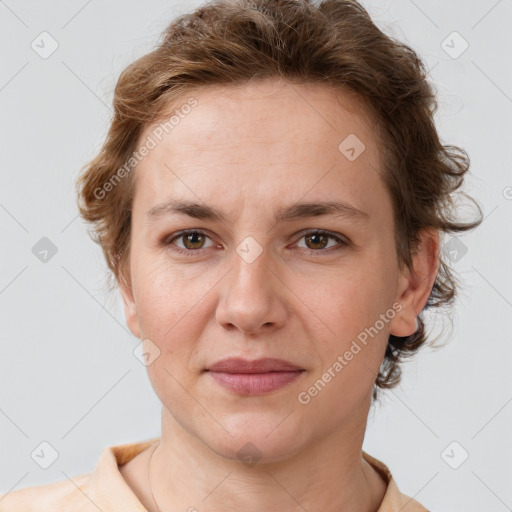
[250, 299]
[251, 276]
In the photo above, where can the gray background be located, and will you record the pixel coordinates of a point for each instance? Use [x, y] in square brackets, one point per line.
[67, 372]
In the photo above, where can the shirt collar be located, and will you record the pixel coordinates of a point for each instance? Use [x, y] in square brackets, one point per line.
[110, 492]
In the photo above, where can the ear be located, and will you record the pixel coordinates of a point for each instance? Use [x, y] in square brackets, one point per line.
[416, 285]
[130, 310]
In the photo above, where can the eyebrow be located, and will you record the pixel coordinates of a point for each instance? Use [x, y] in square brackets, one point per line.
[292, 212]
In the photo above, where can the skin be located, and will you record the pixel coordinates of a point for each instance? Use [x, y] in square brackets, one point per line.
[247, 151]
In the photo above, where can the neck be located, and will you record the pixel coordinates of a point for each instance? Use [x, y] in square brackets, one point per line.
[329, 474]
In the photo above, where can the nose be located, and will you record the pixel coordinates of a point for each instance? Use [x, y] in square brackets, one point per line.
[253, 298]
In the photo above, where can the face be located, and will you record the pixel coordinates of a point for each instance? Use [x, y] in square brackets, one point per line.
[261, 273]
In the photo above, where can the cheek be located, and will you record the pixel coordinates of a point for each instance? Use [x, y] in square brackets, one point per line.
[359, 310]
[171, 309]
[161, 300]
[352, 358]
[357, 296]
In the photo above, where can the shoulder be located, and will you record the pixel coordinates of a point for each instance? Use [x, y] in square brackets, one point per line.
[103, 489]
[403, 501]
[394, 500]
[61, 496]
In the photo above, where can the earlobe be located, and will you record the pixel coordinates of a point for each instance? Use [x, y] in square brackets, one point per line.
[130, 310]
[415, 285]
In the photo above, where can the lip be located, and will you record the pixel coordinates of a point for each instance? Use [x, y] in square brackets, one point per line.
[264, 365]
[245, 377]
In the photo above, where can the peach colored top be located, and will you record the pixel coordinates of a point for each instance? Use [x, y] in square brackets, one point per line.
[105, 489]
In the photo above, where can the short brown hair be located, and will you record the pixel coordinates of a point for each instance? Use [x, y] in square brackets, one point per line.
[334, 43]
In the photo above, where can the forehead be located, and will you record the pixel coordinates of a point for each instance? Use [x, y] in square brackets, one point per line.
[268, 110]
[262, 138]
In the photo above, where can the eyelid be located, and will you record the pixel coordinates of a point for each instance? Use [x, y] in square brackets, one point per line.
[313, 231]
[180, 234]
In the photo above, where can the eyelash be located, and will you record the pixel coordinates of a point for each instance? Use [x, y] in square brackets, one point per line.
[191, 252]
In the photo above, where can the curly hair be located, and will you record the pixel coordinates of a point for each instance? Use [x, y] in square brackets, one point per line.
[334, 43]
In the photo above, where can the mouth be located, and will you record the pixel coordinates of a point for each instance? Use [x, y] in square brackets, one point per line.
[245, 377]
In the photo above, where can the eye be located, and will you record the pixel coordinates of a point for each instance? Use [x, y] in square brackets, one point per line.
[317, 240]
[192, 240]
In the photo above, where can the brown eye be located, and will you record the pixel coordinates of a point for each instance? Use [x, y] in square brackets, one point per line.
[193, 240]
[316, 241]
[188, 242]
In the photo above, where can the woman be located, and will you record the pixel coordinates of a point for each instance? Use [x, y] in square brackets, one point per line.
[269, 199]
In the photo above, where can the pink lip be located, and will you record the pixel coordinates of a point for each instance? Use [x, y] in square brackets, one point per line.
[264, 365]
[254, 377]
